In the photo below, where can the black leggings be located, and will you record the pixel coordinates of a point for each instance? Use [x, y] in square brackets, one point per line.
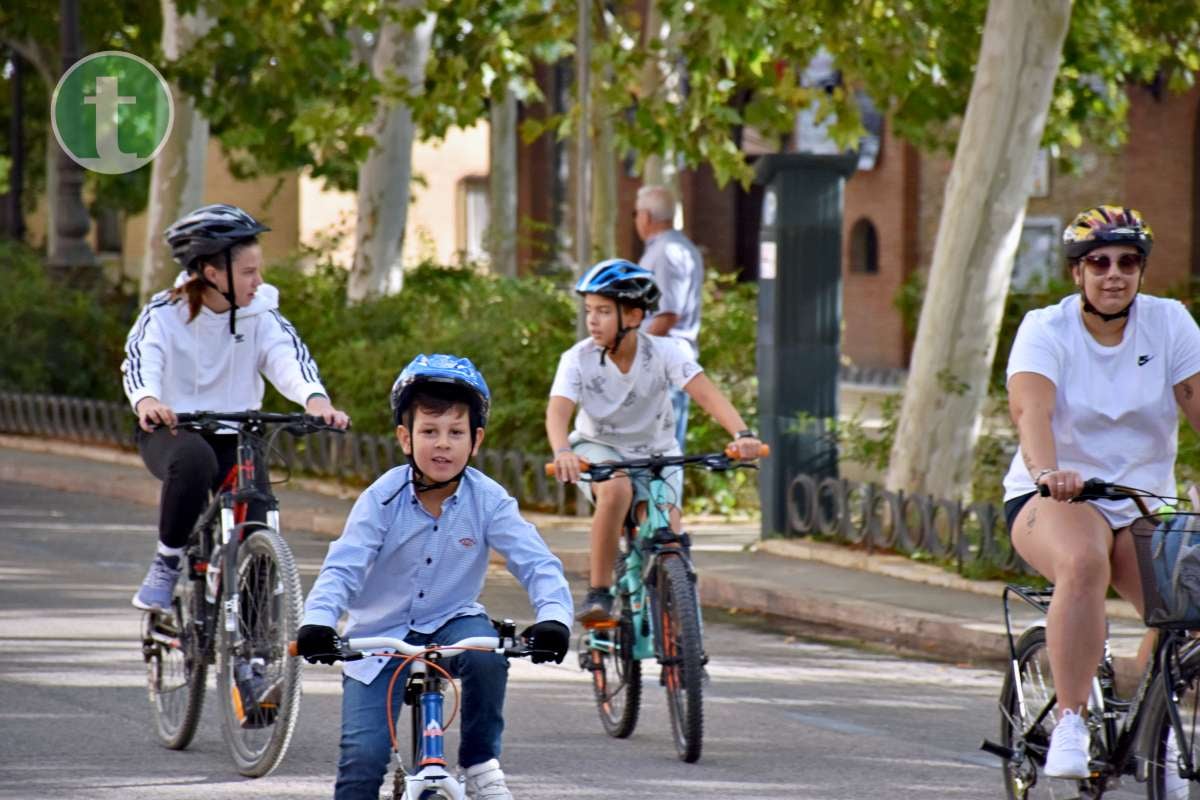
[190, 466]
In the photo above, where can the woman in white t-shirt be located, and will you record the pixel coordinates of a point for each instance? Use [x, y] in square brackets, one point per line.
[620, 377]
[1093, 386]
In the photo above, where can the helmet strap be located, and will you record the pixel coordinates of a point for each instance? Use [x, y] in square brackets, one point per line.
[230, 295]
[622, 331]
[1091, 309]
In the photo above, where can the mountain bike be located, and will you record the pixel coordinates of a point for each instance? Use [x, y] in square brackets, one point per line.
[237, 606]
[427, 776]
[656, 613]
[1151, 735]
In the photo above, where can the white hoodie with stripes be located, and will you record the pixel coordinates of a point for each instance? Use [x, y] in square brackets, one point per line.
[200, 366]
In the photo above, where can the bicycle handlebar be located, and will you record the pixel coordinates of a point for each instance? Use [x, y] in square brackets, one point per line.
[298, 419]
[1098, 489]
[366, 646]
[714, 461]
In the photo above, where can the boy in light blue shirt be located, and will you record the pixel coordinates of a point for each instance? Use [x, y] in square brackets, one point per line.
[411, 563]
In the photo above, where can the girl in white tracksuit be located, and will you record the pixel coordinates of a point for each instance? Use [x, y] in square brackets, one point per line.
[206, 344]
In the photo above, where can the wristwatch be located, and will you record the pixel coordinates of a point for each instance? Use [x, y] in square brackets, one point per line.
[746, 434]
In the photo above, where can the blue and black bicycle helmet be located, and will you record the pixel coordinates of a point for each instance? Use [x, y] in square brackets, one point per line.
[627, 284]
[439, 368]
[623, 281]
[440, 372]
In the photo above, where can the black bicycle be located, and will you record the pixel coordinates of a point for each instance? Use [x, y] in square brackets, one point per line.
[1151, 735]
[237, 606]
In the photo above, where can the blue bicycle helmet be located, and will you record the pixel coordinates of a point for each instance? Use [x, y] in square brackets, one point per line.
[443, 369]
[623, 281]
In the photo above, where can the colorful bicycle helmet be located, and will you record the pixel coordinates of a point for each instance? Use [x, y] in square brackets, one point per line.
[446, 370]
[623, 281]
[1105, 225]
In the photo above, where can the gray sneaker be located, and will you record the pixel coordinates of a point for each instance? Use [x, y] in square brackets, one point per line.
[159, 584]
[486, 782]
[597, 606]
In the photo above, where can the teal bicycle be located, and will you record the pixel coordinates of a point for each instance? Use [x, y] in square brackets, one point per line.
[656, 612]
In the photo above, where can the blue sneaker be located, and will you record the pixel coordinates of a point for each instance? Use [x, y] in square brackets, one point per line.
[159, 584]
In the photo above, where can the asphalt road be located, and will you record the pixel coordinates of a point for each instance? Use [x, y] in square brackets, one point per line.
[785, 717]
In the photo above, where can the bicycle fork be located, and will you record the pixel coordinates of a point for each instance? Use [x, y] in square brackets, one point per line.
[429, 768]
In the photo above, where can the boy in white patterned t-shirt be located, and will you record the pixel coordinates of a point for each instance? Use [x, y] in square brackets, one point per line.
[620, 377]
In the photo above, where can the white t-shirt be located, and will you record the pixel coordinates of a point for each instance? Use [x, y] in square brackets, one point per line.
[1115, 415]
[628, 411]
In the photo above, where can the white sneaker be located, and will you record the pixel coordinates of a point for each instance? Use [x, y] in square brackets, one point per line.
[1069, 745]
[1175, 786]
[486, 782]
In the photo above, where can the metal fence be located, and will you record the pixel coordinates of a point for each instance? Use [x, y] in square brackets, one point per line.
[357, 456]
[866, 515]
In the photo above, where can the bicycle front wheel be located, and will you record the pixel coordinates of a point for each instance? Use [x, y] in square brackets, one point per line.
[176, 666]
[1028, 731]
[1164, 758]
[681, 652]
[616, 674]
[258, 682]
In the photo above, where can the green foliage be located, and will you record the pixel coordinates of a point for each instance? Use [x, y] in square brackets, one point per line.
[513, 329]
[728, 336]
[57, 339]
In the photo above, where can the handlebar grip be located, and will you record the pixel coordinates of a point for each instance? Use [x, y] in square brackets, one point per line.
[1043, 490]
[584, 466]
[293, 648]
[764, 450]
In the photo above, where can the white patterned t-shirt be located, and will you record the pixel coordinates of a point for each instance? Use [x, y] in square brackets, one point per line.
[628, 411]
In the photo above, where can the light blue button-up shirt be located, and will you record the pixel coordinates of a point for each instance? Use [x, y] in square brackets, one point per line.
[396, 568]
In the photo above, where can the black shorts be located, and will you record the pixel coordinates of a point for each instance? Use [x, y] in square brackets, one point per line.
[1014, 506]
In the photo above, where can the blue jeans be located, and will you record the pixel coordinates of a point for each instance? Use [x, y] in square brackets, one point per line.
[680, 401]
[366, 747]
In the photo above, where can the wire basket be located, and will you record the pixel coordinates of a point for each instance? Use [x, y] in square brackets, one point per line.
[1168, 556]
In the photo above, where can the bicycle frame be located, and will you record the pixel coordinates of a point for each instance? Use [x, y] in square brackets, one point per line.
[427, 687]
[653, 538]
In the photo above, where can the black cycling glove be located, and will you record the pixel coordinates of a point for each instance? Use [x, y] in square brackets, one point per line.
[318, 644]
[549, 636]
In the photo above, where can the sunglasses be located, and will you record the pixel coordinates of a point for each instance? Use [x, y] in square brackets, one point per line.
[1127, 263]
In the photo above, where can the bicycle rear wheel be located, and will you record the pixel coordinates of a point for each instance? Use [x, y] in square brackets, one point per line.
[1163, 759]
[176, 667]
[616, 674]
[259, 684]
[681, 652]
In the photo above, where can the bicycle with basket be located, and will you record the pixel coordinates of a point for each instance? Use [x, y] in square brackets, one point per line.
[1150, 735]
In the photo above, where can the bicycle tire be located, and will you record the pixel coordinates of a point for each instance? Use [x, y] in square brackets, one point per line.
[1024, 780]
[619, 704]
[1156, 725]
[176, 676]
[269, 614]
[682, 654]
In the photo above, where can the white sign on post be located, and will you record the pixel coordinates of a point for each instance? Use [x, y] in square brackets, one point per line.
[766, 261]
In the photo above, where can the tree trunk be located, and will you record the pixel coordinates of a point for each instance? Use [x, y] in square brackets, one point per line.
[384, 178]
[502, 183]
[604, 185]
[977, 237]
[657, 169]
[177, 175]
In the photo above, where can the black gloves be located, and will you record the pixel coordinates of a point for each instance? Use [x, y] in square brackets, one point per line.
[318, 644]
[549, 636]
